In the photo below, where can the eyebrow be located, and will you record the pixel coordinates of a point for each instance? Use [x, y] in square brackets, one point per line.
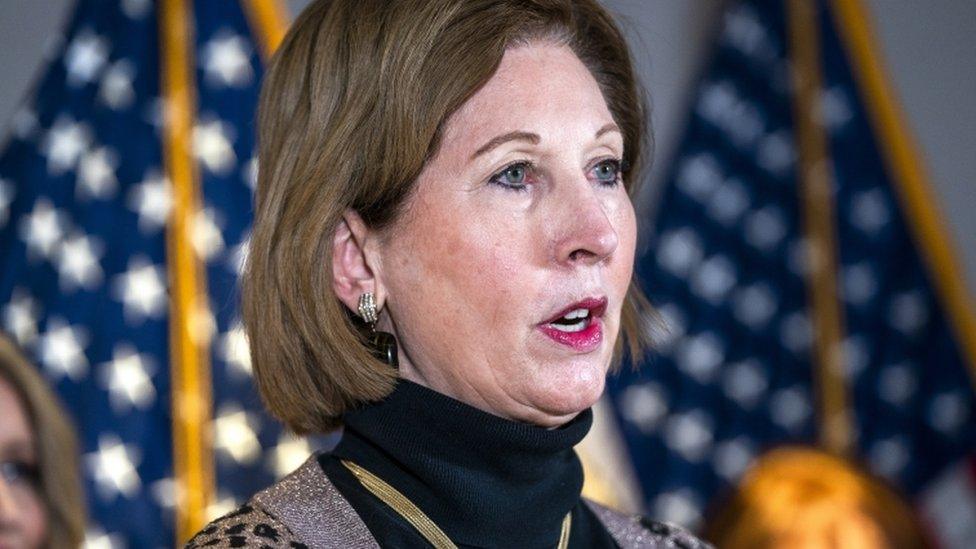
[505, 138]
[611, 127]
[531, 138]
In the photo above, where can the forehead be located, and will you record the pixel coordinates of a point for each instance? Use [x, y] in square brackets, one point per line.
[542, 88]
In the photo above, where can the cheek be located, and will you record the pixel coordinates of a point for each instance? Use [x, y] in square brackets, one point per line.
[482, 267]
[625, 222]
[34, 515]
[458, 265]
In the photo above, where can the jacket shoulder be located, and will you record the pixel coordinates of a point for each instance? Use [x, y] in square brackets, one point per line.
[637, 532]
[247, 526]
[301, 511]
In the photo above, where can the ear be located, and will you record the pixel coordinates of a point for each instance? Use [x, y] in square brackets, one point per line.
[353, 262]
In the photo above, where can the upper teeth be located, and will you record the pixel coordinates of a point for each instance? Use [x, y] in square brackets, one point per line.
[578, 313]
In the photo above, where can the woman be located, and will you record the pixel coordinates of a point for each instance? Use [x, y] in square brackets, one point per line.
[441, 262]
[40, 491]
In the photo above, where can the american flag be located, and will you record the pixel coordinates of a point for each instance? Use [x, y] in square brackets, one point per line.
[800, 268]
[96, 213]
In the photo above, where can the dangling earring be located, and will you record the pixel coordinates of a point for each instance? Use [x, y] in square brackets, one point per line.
[382, 344]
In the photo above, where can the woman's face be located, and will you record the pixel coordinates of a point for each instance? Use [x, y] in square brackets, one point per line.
[23, 521]
[506, 273]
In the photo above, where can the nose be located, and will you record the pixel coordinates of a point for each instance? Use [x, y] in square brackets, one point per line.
[587, 236]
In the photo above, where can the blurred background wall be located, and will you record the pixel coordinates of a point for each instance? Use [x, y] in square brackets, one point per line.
[929, 48]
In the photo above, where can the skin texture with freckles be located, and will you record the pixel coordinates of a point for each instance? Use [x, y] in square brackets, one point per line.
[472, 267]
[23, 520]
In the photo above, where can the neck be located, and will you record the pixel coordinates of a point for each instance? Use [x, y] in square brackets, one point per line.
[476, 475]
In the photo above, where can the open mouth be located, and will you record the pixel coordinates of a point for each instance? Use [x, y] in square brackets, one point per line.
[578, 326]
[573, 321]
[577, 316]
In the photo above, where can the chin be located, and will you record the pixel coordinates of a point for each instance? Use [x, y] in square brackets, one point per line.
[558, 400]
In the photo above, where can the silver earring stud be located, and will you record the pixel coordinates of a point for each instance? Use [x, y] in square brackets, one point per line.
[381, 344]
[367, 307]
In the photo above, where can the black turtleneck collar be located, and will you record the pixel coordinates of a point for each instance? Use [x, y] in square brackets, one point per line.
[476, 475]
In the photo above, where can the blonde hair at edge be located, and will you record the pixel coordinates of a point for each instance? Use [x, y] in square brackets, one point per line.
[56, 448]
[350, 111]
[798, 497]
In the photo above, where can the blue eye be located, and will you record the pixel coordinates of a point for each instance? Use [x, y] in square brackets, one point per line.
[607, 171]
[17, 472]
[514, 176]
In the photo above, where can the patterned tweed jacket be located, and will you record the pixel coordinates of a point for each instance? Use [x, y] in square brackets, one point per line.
[305, 511]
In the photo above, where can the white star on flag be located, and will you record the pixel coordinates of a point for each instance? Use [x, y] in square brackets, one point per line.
[166, 493]
[678, 506]
[96, 174]
[644, 405]
[142, 290]
[238, 256]
[157, 113]
[77, 263]
[136, 9]
[224, 504]
[250, 172]
[234, 434]
[85, 57]
[212, 145]
[96, 538]
[113, 467]
[152, 200]
[732, 458]
[226, 60]
[870, 211]
[234, 350]
[689, 434]
[288, 454]
[42, 229]
[115, 89]
[700, 356]
[127, 379]
[61, 350]
[835, 108]
[205, 234]
[887, 457]
[64, 144]
[20, 316]
[745, 382]
[789, 408]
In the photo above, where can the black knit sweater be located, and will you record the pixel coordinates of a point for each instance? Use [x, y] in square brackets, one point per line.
[484, 480]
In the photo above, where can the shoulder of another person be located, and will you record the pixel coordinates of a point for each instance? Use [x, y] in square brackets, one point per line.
[301, 511]
[635, 531]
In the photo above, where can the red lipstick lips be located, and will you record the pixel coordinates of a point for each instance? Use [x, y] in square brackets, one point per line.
[579, 326]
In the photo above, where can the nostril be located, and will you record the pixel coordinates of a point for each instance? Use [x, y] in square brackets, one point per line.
[576, 255]
[593, 249]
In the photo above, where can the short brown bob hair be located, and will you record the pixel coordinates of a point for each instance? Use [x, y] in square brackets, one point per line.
[55, 446]
[351, 110]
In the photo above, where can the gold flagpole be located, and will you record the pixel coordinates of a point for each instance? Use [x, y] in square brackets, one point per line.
[189, 314]
[815, 176]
